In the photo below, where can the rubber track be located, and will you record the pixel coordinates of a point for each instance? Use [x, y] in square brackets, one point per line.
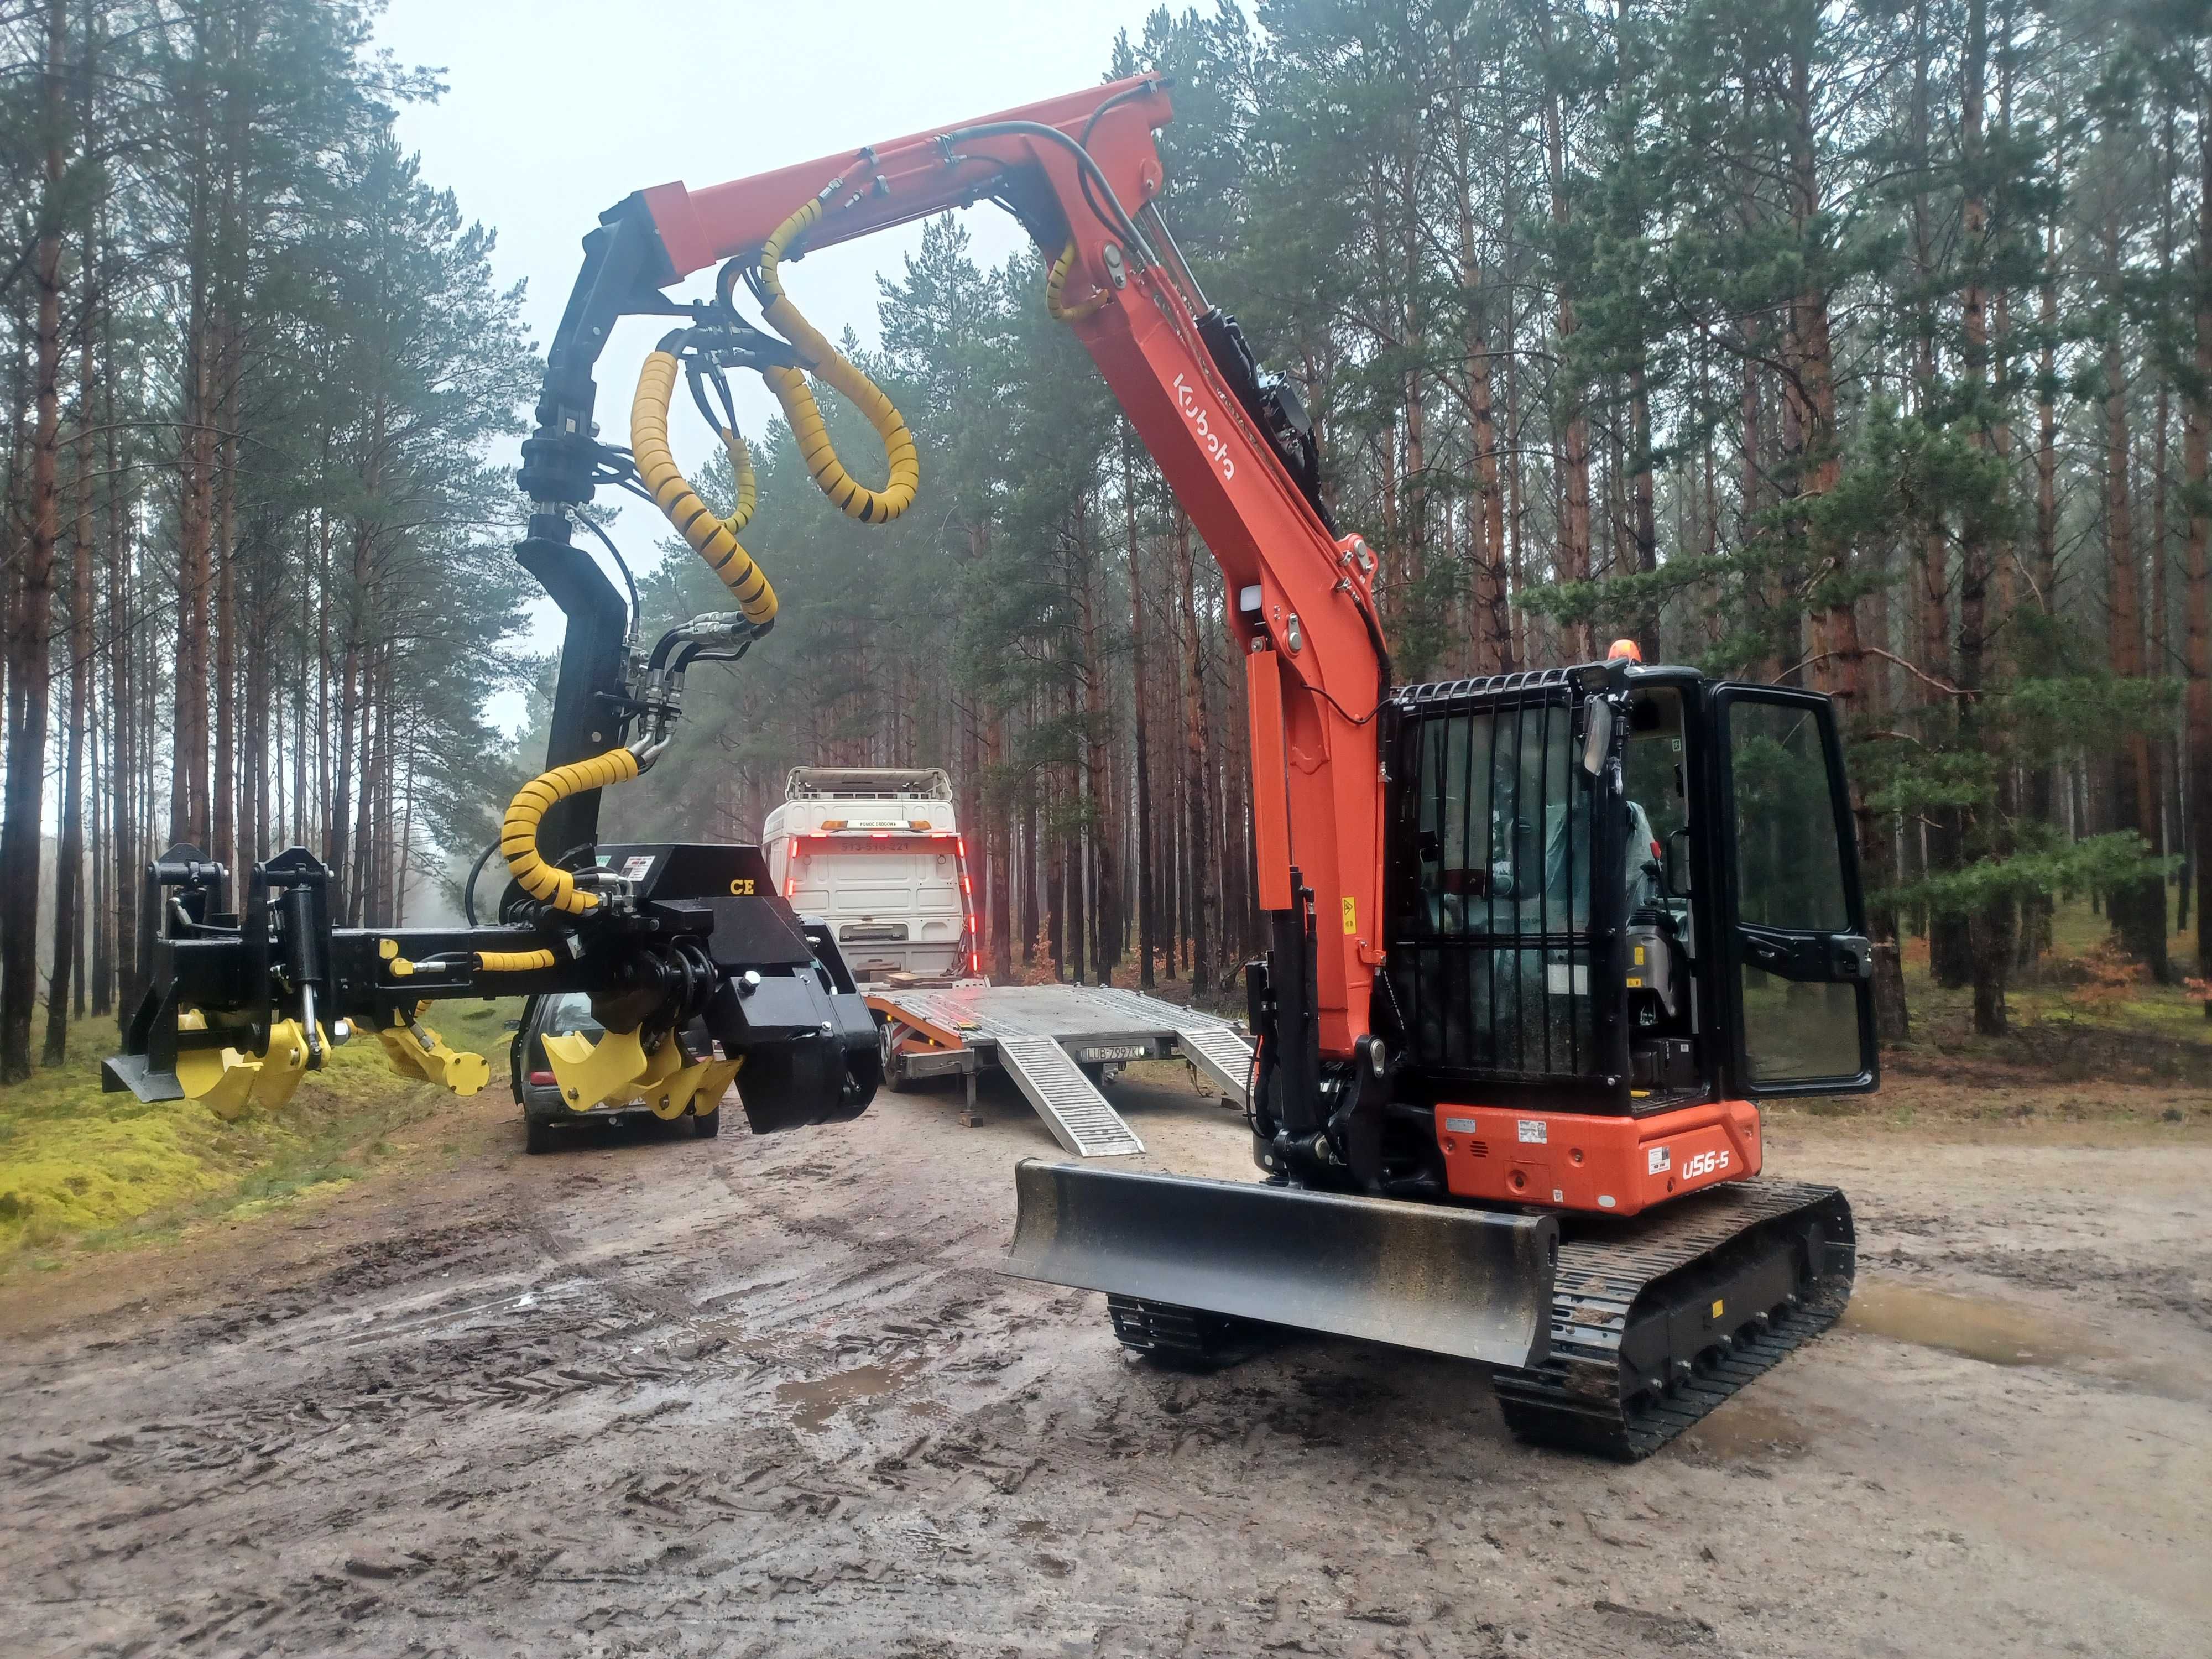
[1183, 1338]
[1573, 1399]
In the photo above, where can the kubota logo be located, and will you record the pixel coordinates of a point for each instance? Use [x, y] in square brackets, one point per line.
[1194, 412]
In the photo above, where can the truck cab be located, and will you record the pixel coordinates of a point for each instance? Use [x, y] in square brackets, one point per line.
[876, 854]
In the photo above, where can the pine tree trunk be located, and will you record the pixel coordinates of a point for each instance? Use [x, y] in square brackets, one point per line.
[1573, 556]
[2197, 471]
[223, 786]
[69, 863]
[1032, 863]
[2042, 781]
[29, 668]
[1644, 506]
[2163, 750]
[1493, 620]
[190, 819]
[1205, 890]
[123, 695]
[1990, 927]
[1139, 687]
[346, 903]
[2137, 908]
[998, 853]
[1099, 819]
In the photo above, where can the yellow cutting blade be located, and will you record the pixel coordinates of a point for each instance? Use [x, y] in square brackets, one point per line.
[415, 1050]
[590, 1072]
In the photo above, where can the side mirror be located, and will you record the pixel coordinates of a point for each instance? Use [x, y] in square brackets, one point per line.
[1678, 863]
[1597, 735]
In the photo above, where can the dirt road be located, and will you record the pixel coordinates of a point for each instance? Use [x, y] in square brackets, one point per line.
[658, 1396]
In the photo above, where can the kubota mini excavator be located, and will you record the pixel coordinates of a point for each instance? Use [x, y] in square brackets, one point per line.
[1538, 940]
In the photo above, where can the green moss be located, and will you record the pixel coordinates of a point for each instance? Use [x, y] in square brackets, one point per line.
[98, 1171]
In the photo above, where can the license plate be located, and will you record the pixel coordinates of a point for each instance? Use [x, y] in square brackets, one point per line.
[1121, 1051]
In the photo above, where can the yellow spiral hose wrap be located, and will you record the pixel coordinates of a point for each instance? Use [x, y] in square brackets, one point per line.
[518, 836]
[853, 498]
[515, 961]
[1055, 283]
[715, 539]
[741, 466]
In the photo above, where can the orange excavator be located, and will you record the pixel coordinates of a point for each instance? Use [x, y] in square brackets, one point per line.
[1539, 942]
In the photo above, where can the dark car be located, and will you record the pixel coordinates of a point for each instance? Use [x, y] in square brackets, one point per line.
[536, 1090]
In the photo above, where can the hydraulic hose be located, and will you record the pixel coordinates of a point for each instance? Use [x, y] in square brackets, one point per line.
[715, 539]
[1055, 283]
[851, 497]
[518, 837]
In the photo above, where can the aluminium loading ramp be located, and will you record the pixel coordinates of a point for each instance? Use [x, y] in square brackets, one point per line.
[1042, 1035]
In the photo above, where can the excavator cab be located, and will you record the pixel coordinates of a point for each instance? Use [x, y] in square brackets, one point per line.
[1619, 891]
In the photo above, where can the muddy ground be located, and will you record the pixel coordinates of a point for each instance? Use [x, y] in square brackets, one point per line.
[654, 1395]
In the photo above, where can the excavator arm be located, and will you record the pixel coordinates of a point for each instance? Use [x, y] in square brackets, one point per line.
[240, 1004]
[1083, 175]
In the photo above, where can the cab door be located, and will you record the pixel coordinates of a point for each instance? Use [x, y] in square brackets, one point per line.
[1796, 967]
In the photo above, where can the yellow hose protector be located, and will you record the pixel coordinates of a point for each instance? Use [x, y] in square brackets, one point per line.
[741, 465]
[712, 538]
[1055, 283]
[518, 836]
[851, 497]
[515, 961]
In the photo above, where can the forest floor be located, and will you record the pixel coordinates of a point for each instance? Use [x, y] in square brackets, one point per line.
[654, 1394]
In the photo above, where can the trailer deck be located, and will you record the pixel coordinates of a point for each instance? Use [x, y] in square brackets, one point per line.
[1055, 1041]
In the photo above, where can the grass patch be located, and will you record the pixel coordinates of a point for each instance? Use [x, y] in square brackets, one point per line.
[83, 1170]
[2063, 1022]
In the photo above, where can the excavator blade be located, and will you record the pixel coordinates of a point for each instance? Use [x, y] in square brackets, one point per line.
[1472, 1283]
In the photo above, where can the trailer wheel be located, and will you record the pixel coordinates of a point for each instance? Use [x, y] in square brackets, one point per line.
[705, 1126]
[892, 1062]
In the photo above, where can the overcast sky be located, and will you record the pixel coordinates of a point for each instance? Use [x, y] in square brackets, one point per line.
[557, 109]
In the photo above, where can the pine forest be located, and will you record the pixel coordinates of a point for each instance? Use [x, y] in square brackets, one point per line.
[1865, 347]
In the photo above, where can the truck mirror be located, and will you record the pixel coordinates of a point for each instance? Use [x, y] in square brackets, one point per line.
[1597, 735]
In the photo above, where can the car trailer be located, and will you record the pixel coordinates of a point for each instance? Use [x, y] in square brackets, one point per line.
[1055, 1041]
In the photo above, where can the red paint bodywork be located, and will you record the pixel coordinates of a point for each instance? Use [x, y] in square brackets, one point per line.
[1609, 1165]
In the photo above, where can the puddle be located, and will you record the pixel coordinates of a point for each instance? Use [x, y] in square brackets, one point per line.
[2002, 1334]
[819, 1401]
[1746, 1427]
[1993, 1332]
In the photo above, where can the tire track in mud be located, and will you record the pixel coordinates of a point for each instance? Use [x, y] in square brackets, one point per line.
[581, 1314]
[747, 1397]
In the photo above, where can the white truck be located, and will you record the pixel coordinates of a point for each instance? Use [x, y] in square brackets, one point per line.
[875, 852]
